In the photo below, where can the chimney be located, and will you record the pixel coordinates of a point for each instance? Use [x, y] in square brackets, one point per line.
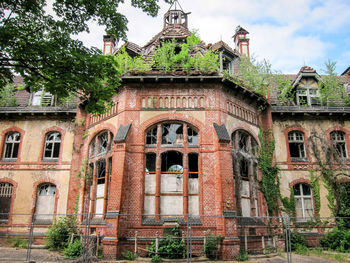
[241, 41]
[108, 45]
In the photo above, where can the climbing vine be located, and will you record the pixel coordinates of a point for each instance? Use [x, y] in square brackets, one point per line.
[315, 186]
[289, 204]
[269, 183]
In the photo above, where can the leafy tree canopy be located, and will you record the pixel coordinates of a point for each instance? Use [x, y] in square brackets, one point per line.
[39, 46]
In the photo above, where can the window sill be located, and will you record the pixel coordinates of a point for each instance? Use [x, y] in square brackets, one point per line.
[50, 160]
[298, 160]
[12, 160]
[172, 145]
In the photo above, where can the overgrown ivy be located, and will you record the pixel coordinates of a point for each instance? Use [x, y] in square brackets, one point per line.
[289, 203]
[315, 186]
[269, 183]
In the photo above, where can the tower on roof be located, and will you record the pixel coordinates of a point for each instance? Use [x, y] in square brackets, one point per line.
[241, 41]
[175, 16]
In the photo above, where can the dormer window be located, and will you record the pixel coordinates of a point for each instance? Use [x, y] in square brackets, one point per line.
[42, 98]
[307, 92]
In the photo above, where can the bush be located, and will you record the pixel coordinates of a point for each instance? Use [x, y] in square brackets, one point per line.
[128, 255]
[156, 258]
[297, 240]
[60, 232]
[243, 255]
[301, 249]
[211, 245]
[337, 239]
[74, 249]
[171, 246]
[18, 242]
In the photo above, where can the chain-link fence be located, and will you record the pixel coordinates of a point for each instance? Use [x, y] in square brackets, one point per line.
[91, 237]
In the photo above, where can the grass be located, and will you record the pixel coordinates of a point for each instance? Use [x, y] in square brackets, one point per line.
[319, 252]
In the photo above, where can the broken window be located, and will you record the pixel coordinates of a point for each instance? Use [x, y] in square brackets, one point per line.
[11, 145]
[193, 189]
[192, 136]
[52, 146]
[164, 191]
[151, 136]
[303, 202]
[244, 154]
[307, 92]
[172, 134]
[5, 201]
[42, 98]
[98, 174]
[45, 203]
[296, 146]
[339, 143]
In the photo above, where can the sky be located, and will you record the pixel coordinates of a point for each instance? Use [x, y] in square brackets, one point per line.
[287, 33]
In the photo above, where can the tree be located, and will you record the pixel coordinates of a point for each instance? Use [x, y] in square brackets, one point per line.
[40, 47]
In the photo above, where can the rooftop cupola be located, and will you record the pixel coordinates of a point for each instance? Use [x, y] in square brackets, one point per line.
[175, 16]
[241, 41]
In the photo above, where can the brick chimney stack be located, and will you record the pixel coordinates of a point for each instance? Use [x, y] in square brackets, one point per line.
[241, 41]
[108, 45]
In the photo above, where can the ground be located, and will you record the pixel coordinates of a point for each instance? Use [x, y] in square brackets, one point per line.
[10, 255]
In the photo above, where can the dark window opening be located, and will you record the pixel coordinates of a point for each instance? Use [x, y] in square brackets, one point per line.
[101, 171]
[242, 141]
[296, 146]
[193, 165]
[171, 161]
[103, 142]
[243, 168]
[151, 136]
[151, 162]
[339, 143]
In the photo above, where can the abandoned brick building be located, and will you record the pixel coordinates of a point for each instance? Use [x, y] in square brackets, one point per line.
[172, 147]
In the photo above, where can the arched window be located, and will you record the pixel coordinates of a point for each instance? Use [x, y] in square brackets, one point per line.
[339, 143]
[52, 146]
[45, 203]
[245, 149]
[296, 146]
[303, 202]
[12, 140]
[99, 171]
[171, 177]
[5, 201]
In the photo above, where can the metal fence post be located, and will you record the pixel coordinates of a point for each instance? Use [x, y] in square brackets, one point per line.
[29, 247]
[288, 242]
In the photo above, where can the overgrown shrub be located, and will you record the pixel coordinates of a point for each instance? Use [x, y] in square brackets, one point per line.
[297, 240]
[337, 239]
[60, 232]
[211, 245]
[74, 249]
[171, 246]
[243, 255]
[156, 258]
[17, 242]
[128, 255]
[301, 249]
[7, 96]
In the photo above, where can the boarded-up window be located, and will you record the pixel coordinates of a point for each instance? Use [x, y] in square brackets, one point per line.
[45, 203]
[5, 201]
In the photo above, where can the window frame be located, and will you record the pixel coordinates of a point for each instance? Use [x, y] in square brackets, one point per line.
[6, 143]
[303, 197]
[97, 156]
[6, 221]
[336, 141]
[154, 153]
[49, 220]
[292, 138]
[51, 158]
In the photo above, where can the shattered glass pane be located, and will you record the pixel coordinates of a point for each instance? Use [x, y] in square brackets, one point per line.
[172, 134]
[103, 141]
[151, 137]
